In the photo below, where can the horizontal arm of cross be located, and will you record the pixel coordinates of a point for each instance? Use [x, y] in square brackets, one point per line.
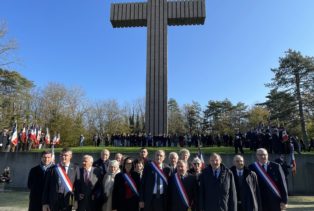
[128, 14]
[186, 12]
[179, 12]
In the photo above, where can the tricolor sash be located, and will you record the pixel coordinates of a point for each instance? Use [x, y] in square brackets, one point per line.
[65, 180]
[131, 183]
[267, 179]
[182, 191]
[159, 172]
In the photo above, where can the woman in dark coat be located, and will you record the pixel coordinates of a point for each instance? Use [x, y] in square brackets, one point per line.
[125, 196]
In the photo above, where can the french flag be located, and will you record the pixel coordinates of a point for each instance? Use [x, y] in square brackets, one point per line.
[38, 136]
[23, 136]
[285, 136]
[33, 134]
[14, 138]
[47, 137]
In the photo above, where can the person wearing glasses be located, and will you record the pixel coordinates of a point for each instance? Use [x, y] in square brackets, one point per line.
[271, 178]
[58, 191]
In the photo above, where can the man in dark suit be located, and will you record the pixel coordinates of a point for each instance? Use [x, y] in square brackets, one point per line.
[271, 180]
[59, 184]
[88, 186]
[248, 193]
[217, 187]
[182, 189]
[153, 194]
[35, 181]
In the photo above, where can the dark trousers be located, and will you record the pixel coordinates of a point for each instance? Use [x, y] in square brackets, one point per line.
[63, 203]
[237, 148]
[157, 204]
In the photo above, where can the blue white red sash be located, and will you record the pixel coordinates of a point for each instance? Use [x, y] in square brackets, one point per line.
[65, 180]
[159, 172]
[182, 191]
[269, 181]
[131, 183]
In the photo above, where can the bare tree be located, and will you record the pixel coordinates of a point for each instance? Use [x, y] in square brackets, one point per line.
[7, 47]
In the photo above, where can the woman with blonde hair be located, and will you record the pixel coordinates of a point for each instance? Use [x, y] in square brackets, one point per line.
[108, 182]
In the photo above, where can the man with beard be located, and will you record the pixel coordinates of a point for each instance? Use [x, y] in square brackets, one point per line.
[248, 193]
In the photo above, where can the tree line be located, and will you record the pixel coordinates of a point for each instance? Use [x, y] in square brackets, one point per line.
[290, 103]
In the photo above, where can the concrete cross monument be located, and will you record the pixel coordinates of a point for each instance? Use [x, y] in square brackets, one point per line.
[156, 15]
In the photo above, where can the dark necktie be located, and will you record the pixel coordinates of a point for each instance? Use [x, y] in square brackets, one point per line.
[85, 176]
[158, 186]
[216, 174]
[240, 178]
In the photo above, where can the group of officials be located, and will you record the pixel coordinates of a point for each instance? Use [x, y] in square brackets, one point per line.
[180, 186]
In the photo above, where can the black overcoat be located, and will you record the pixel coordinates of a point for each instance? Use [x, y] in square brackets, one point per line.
[217, 194]
[119, 201]
[248, 195]
[35, 184]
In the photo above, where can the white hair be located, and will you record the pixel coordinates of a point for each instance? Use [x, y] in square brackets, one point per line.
[88, 157]
[114, 163]
[261, 150]
[173, 154]
[184, 151]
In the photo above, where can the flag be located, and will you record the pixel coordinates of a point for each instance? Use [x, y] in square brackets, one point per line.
[292, 157]
[53, 153]
[47, 136]
[58, 139]
[23, 135]
[33, 134]
[200, 156]
[285, 136]
[38, 137]
[14, 137]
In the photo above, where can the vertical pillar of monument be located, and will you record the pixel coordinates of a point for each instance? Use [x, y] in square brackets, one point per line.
[156, 69]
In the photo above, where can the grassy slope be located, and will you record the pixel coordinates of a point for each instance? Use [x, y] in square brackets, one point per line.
[205, 150]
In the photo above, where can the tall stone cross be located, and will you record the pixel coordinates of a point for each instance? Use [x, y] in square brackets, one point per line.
[156, 15]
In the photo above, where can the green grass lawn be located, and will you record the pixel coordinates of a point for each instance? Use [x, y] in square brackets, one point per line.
[205, 150]
[18, 200]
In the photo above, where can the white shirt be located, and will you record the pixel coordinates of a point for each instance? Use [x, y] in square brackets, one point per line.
[161, 184]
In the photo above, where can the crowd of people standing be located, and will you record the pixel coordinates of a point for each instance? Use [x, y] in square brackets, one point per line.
[179, 184]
